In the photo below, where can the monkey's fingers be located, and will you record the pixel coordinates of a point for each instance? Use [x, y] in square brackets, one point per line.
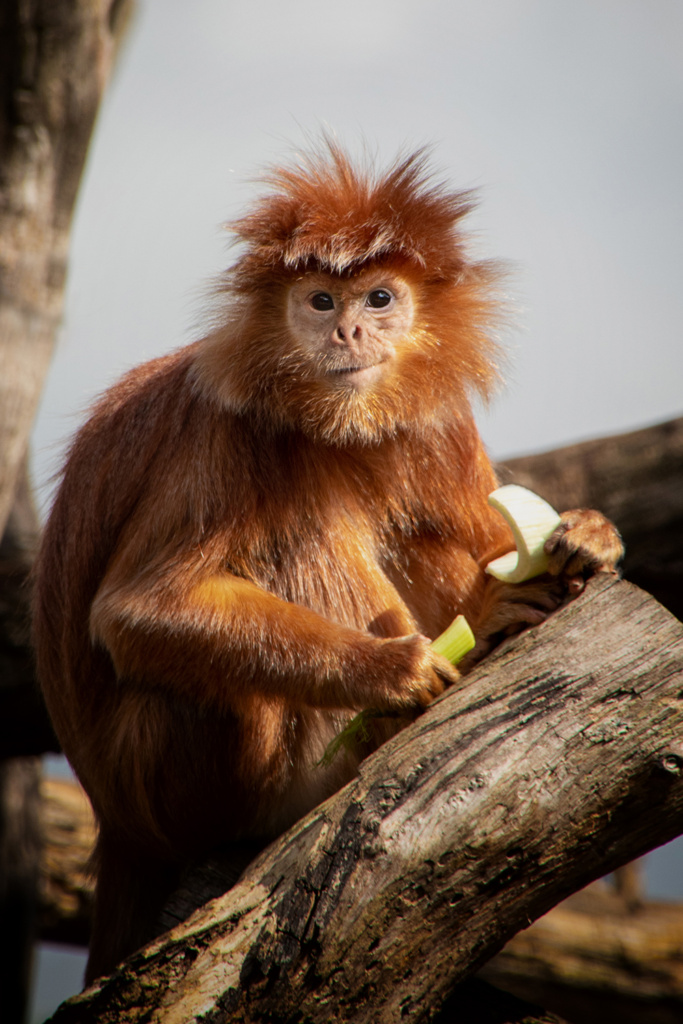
[575, 585]
[513, 618]
[427, 689]
[546, 592]
[513, 607]
[410, 681]
[584, 543]
[437, 673]
[504, 621]
[446, 672]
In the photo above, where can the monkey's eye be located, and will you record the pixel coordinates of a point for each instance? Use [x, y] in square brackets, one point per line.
[379, 298]
[322, 301]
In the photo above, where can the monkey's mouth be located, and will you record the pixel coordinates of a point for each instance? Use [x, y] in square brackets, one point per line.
[357, 374]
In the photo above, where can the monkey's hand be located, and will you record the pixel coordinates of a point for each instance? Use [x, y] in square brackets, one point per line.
[417, 674]
[416, 684]
[509, 608]
[585, 542]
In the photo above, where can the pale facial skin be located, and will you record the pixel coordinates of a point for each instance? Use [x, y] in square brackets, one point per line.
[353, 327]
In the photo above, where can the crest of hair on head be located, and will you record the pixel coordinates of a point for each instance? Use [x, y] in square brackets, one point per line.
[323, 213]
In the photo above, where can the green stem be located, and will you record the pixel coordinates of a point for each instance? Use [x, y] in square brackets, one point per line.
[456, 641]
[453, 644]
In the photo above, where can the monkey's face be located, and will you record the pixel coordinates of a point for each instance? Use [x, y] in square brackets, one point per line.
[351, 329]
[350, 359]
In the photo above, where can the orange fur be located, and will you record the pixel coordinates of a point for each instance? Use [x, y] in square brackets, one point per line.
[243, 554]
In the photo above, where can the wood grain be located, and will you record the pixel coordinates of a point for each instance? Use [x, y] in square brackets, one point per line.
[559, 759]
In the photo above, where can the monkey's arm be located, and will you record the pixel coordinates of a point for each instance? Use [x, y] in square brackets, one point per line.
[218, 636]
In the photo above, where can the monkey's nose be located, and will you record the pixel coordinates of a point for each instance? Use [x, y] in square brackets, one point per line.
[346, 334]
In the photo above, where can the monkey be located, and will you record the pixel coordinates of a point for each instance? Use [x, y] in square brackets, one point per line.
[259, 534]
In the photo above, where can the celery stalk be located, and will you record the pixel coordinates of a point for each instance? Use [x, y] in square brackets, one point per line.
[455, 642]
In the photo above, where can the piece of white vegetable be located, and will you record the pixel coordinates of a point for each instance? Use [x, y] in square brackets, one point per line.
[532, 520]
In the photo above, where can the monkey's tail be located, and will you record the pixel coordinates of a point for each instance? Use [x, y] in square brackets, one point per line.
[130, 892]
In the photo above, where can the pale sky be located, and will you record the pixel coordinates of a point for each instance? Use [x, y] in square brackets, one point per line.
[567, 117]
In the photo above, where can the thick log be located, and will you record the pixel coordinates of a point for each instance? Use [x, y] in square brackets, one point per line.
[66, 889]
[637, 480]
[594, 959]
[559, 759]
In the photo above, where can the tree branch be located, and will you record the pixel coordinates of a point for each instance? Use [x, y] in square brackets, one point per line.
[594, 959]
[557, 760]
[589, 958]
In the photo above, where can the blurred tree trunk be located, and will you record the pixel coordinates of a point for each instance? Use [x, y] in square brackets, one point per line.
[66, 884]
[26, 730]
[55, 57]
[20, 843]
[595, 959]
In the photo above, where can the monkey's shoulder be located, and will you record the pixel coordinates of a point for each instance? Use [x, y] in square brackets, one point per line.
[154, 414]
[141, 397]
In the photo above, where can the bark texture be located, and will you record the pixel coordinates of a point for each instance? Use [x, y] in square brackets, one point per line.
[66, 893]
[559, 759]
[55, 56]
[594, 957]
[592, 953]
